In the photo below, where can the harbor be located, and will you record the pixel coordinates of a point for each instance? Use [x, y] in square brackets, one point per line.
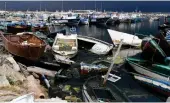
[84, 55]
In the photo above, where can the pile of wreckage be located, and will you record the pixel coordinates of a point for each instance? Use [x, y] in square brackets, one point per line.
[18, 83]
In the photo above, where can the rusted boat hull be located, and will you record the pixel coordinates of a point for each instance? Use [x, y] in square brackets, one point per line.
[32, 52]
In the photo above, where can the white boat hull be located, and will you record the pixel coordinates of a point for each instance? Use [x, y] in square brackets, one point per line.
[128, 39]
[100, 47]
[66, 45]
[146, 72]
[63, 59]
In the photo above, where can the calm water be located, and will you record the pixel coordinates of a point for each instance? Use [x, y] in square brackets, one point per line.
[100, 32]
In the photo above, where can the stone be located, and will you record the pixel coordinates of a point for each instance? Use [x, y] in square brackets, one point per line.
[12, 75]
[14, 63]
[39, 70]
[3, 81]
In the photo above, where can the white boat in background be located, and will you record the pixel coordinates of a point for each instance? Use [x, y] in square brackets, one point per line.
[154, 18]
[128, 39]
[84, 21]
[65, 45]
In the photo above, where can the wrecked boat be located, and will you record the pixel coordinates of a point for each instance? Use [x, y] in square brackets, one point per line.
[142, 67]
[89, 68]
[128, 39]
[26, 45]
[66, 45]
[155, 84]
[116, 89]
[150, 66]
[94, 45]
[93, 91]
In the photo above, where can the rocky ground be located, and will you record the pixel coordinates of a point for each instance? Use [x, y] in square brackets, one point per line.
[16, 80]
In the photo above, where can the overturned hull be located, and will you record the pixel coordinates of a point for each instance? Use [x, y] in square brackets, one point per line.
[94, 45]
[128, 39]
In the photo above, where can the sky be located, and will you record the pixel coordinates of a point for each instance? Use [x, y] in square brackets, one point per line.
[125, 6]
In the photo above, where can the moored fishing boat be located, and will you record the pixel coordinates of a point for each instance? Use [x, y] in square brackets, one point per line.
[73, 22]
[26, 45]
[18, 28]
[84, 21]
[103, 20]
[167, 37]
[40, 27]
[154, 18]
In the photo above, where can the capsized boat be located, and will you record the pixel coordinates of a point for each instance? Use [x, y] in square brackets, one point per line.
[65, 45]
[94, 45]
[26, 45]
[128, 39]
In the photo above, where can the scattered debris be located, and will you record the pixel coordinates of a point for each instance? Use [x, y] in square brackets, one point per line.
[39, 70]
[72, 99]
[34, 86]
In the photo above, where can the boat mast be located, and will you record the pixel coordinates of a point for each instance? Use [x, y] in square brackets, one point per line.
[84, 6]
[111, 66]
[62, 6]
[95, 5]
[5, 11]
[5, 6]
[101, 6]
[40, 6]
